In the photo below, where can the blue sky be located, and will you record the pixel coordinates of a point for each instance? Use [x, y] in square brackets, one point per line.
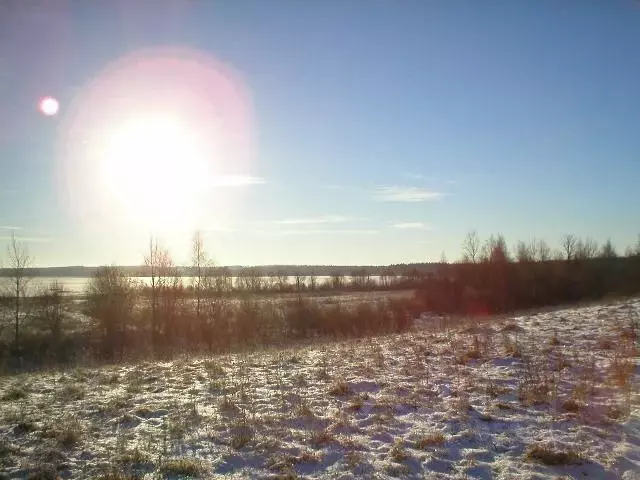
[382, 131]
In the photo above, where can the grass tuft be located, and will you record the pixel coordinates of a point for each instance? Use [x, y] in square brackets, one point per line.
[69, 433]
[15, 392]
[549, 456]
[72, 392]
[430, 439]
[185, 466]
[398, 452]
[340, 388]
[572, 405]
[321, 437]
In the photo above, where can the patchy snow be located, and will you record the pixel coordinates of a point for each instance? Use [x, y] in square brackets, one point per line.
[545, 395]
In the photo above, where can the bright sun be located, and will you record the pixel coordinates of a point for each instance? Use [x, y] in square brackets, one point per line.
[160, 141]
[155, 168]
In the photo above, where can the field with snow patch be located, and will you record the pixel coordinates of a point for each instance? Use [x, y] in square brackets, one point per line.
[546, 395]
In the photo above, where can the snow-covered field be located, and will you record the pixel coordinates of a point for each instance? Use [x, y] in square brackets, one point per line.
[547, 395]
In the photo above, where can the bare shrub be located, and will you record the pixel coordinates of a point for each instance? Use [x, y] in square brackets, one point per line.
[183, 466]
[548, 455]
[430, 439]
[110, 300]
[340, 388]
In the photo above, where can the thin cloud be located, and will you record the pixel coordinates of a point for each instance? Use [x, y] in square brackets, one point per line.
[414, 176]
[9, 227]
[312, 220]
[220, 229]
[236, 181]
[321, 231]
[406, 194]
[411, 226]
[29, 239]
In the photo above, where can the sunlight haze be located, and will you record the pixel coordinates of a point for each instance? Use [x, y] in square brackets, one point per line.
[316, 132]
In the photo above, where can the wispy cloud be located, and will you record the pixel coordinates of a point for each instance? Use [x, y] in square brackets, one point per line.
[411, 226]
[9, 227]
[321, 231]
[220, 229]
[322, 219]
[28, 239]
[417, 176]
[406, 194]
[236, 180]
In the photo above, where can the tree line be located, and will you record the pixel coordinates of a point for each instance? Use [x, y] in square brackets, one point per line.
[490, 278]
[169, 313]
[208, 313]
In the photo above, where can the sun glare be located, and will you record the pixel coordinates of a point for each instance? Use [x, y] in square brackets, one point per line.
[156, 166]
[152, 142]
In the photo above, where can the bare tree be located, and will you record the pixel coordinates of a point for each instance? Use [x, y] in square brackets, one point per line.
[337, 280]
[568, 243]
[243, 282]
[471, 247]
[19, 263]
[281, 280]
[543, 251]
[151, 262]
[525, 253]
[360, 278]
[608, 250]
[635, 250]
[300, 281]
[313, 281]
[110, 298]
[495, 249]
[199, 262]
[224, 280]
[164, 283]
[52, 310]
[386, 277]
[256, 279]
[586, 249]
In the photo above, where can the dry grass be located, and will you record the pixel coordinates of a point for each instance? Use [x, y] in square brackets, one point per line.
[183, 466]
[320, 438]
[430, 439]
[340, 388]
[548, 455]
[398, 452]
[263, 414]
[572, 405]
[7, 448]
[241, 437]
[118, 475]
[134, 456]
[357, 402]
[43, 472]
[621, 370]
[15, 392]
[67, 432]
[72, 392]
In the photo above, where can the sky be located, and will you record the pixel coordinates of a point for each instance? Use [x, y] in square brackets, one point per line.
[317, 132]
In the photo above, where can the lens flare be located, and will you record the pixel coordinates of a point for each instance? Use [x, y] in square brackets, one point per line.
[146, 142]
[49, 106]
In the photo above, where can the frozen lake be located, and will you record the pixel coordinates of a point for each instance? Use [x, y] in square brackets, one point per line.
[77, 285]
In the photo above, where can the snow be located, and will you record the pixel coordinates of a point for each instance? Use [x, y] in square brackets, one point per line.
[451, 399]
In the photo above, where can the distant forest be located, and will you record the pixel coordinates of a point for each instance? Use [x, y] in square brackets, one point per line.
[290, 270]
